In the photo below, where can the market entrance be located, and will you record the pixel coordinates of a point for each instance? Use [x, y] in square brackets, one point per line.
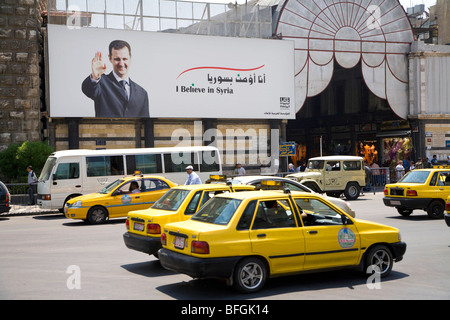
[348, 119]
[351, 77]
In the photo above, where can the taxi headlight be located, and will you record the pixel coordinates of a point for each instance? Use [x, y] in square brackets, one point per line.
[76, 204]
[399, 236]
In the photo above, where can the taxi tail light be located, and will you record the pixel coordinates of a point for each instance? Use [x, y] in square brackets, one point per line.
[386, 191]
[200, 247]
[127, 224]
[163, 239]
[153, 228]
[447, 206]
[411, 193]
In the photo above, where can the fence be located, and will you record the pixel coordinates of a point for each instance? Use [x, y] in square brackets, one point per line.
[19, 193]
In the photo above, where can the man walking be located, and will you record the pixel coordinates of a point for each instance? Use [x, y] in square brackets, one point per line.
[31, 185]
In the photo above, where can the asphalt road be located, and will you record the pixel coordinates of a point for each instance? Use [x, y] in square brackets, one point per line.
[50, 257]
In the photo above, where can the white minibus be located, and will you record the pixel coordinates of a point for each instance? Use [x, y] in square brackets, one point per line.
[71, 173]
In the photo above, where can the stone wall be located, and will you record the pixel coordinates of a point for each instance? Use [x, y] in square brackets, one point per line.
[21, 49]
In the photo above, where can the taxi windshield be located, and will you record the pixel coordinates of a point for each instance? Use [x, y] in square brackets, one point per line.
[171, 200]
[111, 186]
[217, 211]
[415, 177]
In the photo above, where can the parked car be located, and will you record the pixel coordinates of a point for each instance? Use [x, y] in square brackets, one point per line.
[334, 175]
[118, 198]
[420, 189]
[144, 226]
[5, 198]
[247, 237]
[291, 185]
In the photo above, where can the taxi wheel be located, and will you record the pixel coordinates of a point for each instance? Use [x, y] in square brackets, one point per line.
[436, 209]
[379, 258]
[250, 275]
[97, 215]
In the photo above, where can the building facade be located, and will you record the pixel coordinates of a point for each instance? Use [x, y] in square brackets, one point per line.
[364, 86]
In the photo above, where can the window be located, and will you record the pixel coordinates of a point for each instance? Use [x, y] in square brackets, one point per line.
[273, 214]
[318, 212]
[177, 162]
[217, 211]
[333, 166]
[105, 166]
[247, 216]
[154, 185]
[352, 165]
[68, 171]
[444, 179]
[145, 163]
[192, 206]
[210, 161]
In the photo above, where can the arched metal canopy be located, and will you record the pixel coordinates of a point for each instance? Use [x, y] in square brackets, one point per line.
[375, 32]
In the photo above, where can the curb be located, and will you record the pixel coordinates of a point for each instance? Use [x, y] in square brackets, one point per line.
[23, 210]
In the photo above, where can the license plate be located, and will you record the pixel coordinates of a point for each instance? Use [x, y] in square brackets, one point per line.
[179, 243]
[138, 226]
[395, 203]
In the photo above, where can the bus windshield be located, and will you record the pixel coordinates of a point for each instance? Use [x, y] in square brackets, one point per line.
[47, 170]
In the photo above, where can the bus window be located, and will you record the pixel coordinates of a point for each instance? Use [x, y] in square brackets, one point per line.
[105, 166]
[177, 162]
[210, 161]
[68, 171]
[145, 163]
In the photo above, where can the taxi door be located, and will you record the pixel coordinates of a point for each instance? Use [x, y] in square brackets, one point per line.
[126, 198]
[329, 241]
[275, 235]
[443, 185]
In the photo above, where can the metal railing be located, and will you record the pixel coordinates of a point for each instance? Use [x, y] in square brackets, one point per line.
[19, 193]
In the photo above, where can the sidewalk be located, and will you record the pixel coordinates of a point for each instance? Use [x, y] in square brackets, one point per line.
[24, 210]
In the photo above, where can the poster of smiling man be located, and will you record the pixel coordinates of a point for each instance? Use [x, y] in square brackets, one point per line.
[132, 74]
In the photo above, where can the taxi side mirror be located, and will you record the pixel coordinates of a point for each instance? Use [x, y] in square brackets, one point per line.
[345, 220]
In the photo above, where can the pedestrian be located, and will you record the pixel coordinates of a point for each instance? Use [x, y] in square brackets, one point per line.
[291, 167]
[426, 163]
[448, 160]
[193, 177]
[434, 161]
[239, 170]
[399, 170]
[32, 179]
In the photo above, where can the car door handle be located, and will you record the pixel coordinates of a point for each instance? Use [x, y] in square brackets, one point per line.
[78, 186]
[312, 232]
[261, 235]
[137, 197]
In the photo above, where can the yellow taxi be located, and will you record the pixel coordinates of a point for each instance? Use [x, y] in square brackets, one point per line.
[247, 237]
[424, 189]
[118, 198]
[178, 204]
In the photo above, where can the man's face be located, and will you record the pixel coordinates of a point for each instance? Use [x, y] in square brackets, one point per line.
[120, 60]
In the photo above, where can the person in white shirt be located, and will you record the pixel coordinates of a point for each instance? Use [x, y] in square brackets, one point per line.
[239, 170]
[193, 178]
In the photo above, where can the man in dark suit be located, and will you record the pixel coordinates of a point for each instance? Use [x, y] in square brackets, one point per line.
[114, 94]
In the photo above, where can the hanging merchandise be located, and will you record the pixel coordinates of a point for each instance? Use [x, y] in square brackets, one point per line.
[396, 149]
[368, 152]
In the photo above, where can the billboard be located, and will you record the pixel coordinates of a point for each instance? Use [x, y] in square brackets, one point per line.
[168, 75]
